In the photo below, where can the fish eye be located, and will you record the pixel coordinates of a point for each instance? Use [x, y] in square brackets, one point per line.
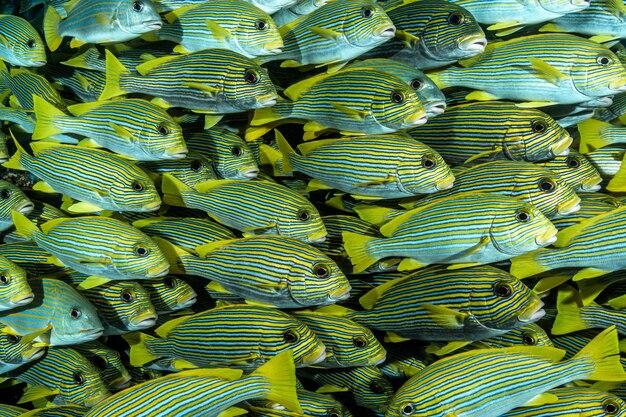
[75, 313]
[141, 251]
[407, 409]
[251, 76]
[604, 60]
[5, 279]
[611, 407]
[12, 338]
[572, 162]
[100, 362]
[164, 130]
[321, 270]
[367, 12]
[196, 165]
[359, 342]
[261, 25]
[4, 194]
[126, 296]
[304, 215]
[429, 162]
[547, 185]
[377, 388]
[169, 282]
[333, 413]
[522, 216]
[137, 186]
[539, 126]
[236, 151]
[417, 84]
[30, 44]
[502, 290]
[397, 97]
[529, 339]
[456, 18]
[78, 378]
[146, 376]
[290, 336]
[138, 6]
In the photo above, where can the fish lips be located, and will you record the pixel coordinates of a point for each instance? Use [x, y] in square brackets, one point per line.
[26, 208]
[387, 31]
[252, 173]
[618, 85]
[474, 43]
[546, 238]
[592, 184]
[569, 207]
[561, 148]
[532, 313]
[24, 299]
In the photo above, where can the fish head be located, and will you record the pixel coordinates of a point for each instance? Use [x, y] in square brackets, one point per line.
[301, 221]
[125, 303]
[424, 172]
[371, 388]
[531, 334]
[133, 191]
[191, 170]
[564, 6]
[532, 135]
[363, 24]
[577, 171]
[137, 16]
[257, 33]
[246, 85]
[597, 72]
[169, 293]
[159, 136]
[25, 47]
[108, 362]
[233, 159]
[16, 350]
[397, 106]
[14, 289]
[137, 256]
[12, 198]
[322, 281]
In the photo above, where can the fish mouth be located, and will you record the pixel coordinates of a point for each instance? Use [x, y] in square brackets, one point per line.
[36, 354]
[475, 43]
[152, 24]
[317, 356]
[583, 3]
[154, 206]
[387, 31]
[416, 119]
[546, 238]
[561, 148]
[340, 294]
[120, 383]
[592, 184]
[177, 153]
[267, 101]
[445, 184]
[187, 302]
[23, 299]
[317, 237]
[158, 271]
[568, 207]
[533, 313]
[144, 321]
[272, 48]
[26, 208]
[437, 107]
[618, 85]
[39, 63]
[381, 359]
[252, 173]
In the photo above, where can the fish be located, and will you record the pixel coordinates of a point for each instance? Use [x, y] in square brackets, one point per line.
[86, 84]
[208, 392]
[101, 246]
[250, 32]
[63, 315]
[348, 344]
[150, 135]
[536, 70]
[206, 340]
[607, 161]
[94, 21]
[312, 404]
[14, 288]
[529, 334]
[278, 210]
[298, 9]
[191, 170]
[100, 180]
[23, 84]
[327, 101]
[42, 212]
[66, 410]
[430, 34]
[12, 410]
[522, 373]
[230, 154]
[268, 6]
[169, 294]
[333, 34]
[108, 361]
[576, 171]
[212, 81]
[615, 110]
[276, 270]
[12, 198]
[36, 261]
[480, 228]
[20, 44]
[595, 134]
[593, 246]
[477, 132]
[16, 350]
[63, 373]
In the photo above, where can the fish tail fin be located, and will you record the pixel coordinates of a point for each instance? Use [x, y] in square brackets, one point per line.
[286, 150]
[139, 353]
[590, 289]
[51, 21]
[281, 110]
[15, 162]
[603, 351]
[356, 247]
[280, 372]
[568, 318]
[527, 265]
[618, 182]
[114, 71]
[376, 215]
[173, 190]
[45, 113]
[23, 225]
[591, 135]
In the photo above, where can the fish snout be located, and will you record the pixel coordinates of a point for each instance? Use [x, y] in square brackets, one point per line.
[252, 173]
[436, 107]
[533, 313]
[26, 208]
[476, 43]
[547, 237]
[386, 31]
[618, 84]
[23, 299]
[568, 207]
[446, 183]
[561, 148]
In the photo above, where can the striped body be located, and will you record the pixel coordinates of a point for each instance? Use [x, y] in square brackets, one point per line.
[209, 81]
[431, 34]
[519, 13]
[15, 351]
[241, 336]
[12, 198]
[578, 401]
[482, 301]
[530, 334]
[389, 166]
[334, 32]
[601, 18]
[186, 232]
[615, 110]
[109, 363]
[586, 70]
[348, 344]
[296, 11]
[313, 404]
[269, 6]
[169, 294]
[35, 260]
[595, 134]
[99, 178]
[22, 45]
[11, 410]
[85, 83]
[103, 246]
[59, 370]
[23, 84]
[486, 131]
[607, 160]
[270, 208]
[191, 170]
[42, 212]
[215, 25]
[544, 189]
[71, 317]
[270, 269]
[14, 288]
[151, 134]
[67, 410]
[23, 120]
[230, 154]
[576, 171]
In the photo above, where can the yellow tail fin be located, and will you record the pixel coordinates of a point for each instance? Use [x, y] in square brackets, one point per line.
[280, 372]
[356, 247]
[23, 225]
[591, 135]
[139, 353]
[51, 22]
[568, 318]
[618, 182]
[286, 150]
[375, 215]
[15, 162]
[45, 113]
[526, 265]
[114, 71]
[603, 351]
[174, 190]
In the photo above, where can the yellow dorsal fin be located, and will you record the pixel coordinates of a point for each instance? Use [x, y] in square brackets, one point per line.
[80, 108]
[164, 329]
[368, 300]
[565, 236]
[208, 185]
[295, 91]
[174, 15]
[308, 147]
[204, 250]
[146, 67]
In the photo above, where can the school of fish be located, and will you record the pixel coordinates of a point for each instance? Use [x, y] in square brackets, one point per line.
[312, 208]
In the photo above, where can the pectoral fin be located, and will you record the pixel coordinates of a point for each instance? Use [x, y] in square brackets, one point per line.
[444, 316]
[547, 71]
[355, 114]
[329, 34]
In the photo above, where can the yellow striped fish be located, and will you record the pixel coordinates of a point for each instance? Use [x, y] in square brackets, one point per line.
[576, 170]
[169, 294]
[20, 44]
[14, 288]
[17, 350]
[109, 363]
[12, 199]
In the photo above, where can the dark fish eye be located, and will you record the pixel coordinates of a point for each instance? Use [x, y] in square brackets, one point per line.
[529, 339]
[75, 313]
[12, 338]
[4, 279]
[456, 18]
[429, 162]
[572, 162]
[138, 6]
[261, 25]
[547, 185]
[359, 342]
[610, 407]
[140, 251]
[126, 296]
[407, 410]
[146, 376]
[377, 388]
[251, 76]
[321, 270]
[367, 11]
[4, 194]
[164, 130]
[522, 216]
[236, 151]
[502, 290]
[100, 362]
[604, 60]
[417, 84]
[78, 378]
[137, 186]
[539, 126]
[290, 336]
[30, 44]
[169, 282]
[397, 97]
[196, 165]
[304, 215]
